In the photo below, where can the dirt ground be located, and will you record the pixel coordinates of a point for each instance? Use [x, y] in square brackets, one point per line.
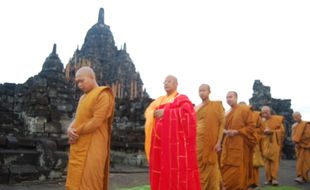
[125, 177]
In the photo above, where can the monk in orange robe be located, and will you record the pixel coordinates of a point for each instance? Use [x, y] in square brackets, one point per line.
[89, 135]
[210, 127]
[257, 154]
[301, 137]
[272, 143]
[238, 145]
[171, 141]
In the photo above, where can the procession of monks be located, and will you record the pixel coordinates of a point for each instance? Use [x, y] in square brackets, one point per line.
[230, 146]
[188, 147]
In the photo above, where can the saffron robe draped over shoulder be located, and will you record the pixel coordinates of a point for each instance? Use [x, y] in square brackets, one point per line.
[236, 159]
[301, 136]
[210, 126]
[88, 166]
[173, 162]
[272, 144]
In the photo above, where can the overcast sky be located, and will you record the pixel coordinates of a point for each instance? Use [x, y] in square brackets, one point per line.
[227, 44]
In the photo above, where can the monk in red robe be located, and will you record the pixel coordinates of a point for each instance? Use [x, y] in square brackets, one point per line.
[89, 135]
[238, 145]
[301, 137]
[172, 156]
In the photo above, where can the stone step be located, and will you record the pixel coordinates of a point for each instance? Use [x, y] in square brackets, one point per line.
[18, 157]
[19, 173]
[23, 165]
[118, 145]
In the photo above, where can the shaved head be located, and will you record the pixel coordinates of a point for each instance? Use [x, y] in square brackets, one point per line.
[170, 84]
[86, 71]
[204, 91]
[297, 116]
[172, 78]
[232, 98]
[242, 103]
[266, 112]
[205, 86]
[85, 79]
[266, 109]
[296, 113]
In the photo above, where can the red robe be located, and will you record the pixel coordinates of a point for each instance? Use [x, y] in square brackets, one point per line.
[173, 162]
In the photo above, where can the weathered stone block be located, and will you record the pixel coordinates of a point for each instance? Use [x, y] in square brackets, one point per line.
[17, 156]
[52, 127]
[46, 148]
[4, 175]
[61, 160]
[19, 173]
[35, 124]
[12, 142]
[2, 141]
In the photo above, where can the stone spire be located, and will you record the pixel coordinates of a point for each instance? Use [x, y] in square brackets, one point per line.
[125, 47]
[101, 16]
[113, 67]
[52, 62]
[54, 50]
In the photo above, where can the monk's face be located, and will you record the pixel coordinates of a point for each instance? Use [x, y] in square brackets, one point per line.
[170, 84]
[231, 99]
[266, 112]
[84, 82]
[204, 92]
[297, 117]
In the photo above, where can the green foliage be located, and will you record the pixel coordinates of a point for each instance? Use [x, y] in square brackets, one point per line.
[281, 187]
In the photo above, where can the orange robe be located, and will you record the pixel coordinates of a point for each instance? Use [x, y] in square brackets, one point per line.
[89, 162]
[210, 126]
[271, 146]
[150, 120]
[301, 136]
[257, 154]
[237, 150]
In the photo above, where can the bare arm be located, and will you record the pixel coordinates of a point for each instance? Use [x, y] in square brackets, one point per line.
[221, 128]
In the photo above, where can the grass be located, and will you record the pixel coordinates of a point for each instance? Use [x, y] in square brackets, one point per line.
[281, 187]
[144, 187]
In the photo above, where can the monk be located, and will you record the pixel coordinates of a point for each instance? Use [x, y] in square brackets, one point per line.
[171, 140]
[301, 137]
[210, 127]
[257, 154]
[271, 144]
[90, 134]
[238, 144]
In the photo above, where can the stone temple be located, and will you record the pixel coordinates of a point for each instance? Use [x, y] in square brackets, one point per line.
[34, 116]
[112, 66]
